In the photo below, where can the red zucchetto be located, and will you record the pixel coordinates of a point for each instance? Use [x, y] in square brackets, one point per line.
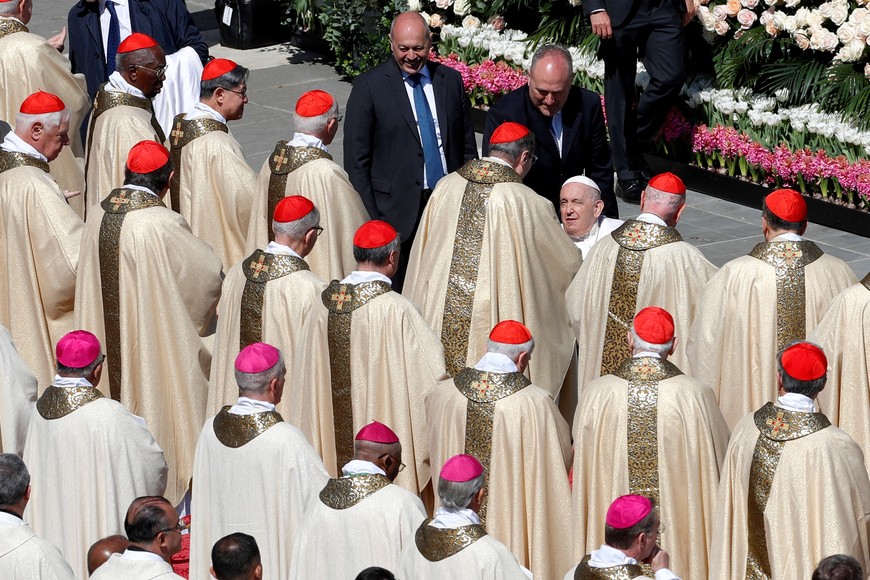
[314, 103]
[627, 510]
[136, 41]
[787, 204]
[77, 349]
[257, 357]
[510, 332]
[669, 183]
[374, 234]
[147, 156]
[654, 325]
[805, 362]
[217, 68]
[377, 433]
[508, 132]
[292, 208]
[461, 468]
[40, 103]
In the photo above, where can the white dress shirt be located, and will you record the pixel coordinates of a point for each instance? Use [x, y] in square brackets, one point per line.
[246, 406]
[203, 111]
[787, 237]
[122, 9]
[426, 82]
[796, 402]
[495, 362]
[119, 84]
[16, 144]
[445, 519]
[306, 140]
[361, 467]
[280, 250]
[651, 218]
[357, 277]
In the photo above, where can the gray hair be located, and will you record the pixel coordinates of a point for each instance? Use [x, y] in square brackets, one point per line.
[377, 256]
[14, 479]
[511, 151]
[24, 121]
[257, 382]
[81, 372]
[297, 229]
[229, 80]
[642, 345]
[512, 351]
[456, 495]
[139, 57]
[552, 50]
[671, 201]
[793, 385]
[315, 125]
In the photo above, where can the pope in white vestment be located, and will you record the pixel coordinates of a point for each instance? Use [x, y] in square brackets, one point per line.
[581, 209]
[17, 396]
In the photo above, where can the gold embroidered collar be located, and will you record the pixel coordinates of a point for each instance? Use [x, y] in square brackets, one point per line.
[866, 281]
[236, 430]
[623, 572]
[346, 492]
[11, 26]
[788, 255]
[486, 387]
[436, 544]
[482, 171]
[123, 200]
[184, 131]
[286, 159]
[12, 159]
[638, 235]
[647, 368]
[264, 267]
[57, 402]
[783, 425]
[345, 298]
[105, 100]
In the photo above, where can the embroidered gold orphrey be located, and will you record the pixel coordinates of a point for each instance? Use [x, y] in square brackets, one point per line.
[183, 132]
[483, 390]
[465, 263]
[346, 492]
[776, 426]
[789, 260]
[116, 205]
[643, 375]
[634, 238]
[236, 430]
[9, 26]
[12, 159]
[341, 300]
[625, 572]
[284, 160]
[57, 402]
[259, 269]
[436, 544]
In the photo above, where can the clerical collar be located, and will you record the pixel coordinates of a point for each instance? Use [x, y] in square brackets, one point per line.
[119, 84]
[787, 237]
[16, 144]
[498, 160]
[358, 277]
[454, 519]
[201, 110]
[495, 362]
[140, 188]
[280, 250]
[141, 555]
[651, 218]
[70, 382]
[246, 406]
[647, 353]
[306, 140]
[607, 557]
[9, 519]
[11, 18]
[797, 402]
[361, 467]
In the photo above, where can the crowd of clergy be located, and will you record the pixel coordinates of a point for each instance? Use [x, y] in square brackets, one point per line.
[205, 371]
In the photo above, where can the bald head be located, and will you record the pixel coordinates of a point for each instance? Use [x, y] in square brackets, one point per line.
[410, 41]
[387, 456]
[668, 206]
[103, 549]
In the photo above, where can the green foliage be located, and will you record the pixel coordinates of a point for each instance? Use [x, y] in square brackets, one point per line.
[357, 32]
[845, 88]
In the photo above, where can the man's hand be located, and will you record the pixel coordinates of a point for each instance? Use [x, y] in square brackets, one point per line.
[660, 559]
[70, 194]
[689, 14]
[601, 24]
[58, 39]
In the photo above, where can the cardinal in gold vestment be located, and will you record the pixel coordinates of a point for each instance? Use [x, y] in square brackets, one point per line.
[303, 166]
[488, 248]
[148, 289]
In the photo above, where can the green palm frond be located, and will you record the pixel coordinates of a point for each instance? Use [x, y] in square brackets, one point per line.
[846, 89]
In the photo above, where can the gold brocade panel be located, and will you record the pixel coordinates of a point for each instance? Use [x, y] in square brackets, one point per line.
[9, 26]
[236, 430]
[436, 544]
[586, 572]
[259, 269]
[346, 492]
[57, 402]
[283, 161]
[183, 132]
[12, 159]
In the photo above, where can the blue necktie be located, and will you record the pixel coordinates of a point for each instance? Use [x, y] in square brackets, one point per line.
[114, 39]
[431, 153]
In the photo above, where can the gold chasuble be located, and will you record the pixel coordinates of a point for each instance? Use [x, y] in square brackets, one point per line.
[436, 544]
[346, 492]
[261, 268]
[183, 132]
[586, 572]
[311, 172]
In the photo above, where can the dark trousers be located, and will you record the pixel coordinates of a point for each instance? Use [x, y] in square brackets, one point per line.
[652, 32]
[405, 252]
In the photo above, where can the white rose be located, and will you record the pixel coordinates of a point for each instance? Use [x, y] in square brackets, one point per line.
[792, 3]
[867, 71]
[863, 28]
[839, 14]
[851, 52]
[720, 12]
[801, 39]
[847, 32]
[800, 17]
[826, 9]
[415, 5]
[749, 3]
[460, 7]
[858, 15]
[815, 18]
[721, 28]
[470, 22]
[437, 21]
[824, 40]
[746, 18]
[766, 17]
[443, 3]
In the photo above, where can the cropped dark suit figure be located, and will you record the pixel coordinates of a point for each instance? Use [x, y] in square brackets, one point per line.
[584, 143]
[383, 154]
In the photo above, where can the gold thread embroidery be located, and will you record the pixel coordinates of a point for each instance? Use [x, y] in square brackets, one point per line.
[284, 160]
[12, 159]
[116, 205]
[9, 26]
[183, 132]
[346, 492]
[237, 430]
[57, 402]
[624, 572]
[436, 544]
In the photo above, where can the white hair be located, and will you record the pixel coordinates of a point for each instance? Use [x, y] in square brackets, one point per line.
[297, 229]
[24, 121]
[257, 382]
[456, 495]
[642, 345]
[315, 125]
[512, 351]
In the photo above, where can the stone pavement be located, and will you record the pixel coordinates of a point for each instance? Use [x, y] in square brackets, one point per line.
[281, 73]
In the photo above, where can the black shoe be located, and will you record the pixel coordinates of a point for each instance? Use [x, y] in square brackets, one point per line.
[630, 189]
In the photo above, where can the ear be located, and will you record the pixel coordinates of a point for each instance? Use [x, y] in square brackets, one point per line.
[36, 131]
[629, 340]
[258, 572]
[393, 258]
[674, 346]
[803, 229]
[523, 361]
[599, 207]
[679, 213]
[642, 199]
[211, 571]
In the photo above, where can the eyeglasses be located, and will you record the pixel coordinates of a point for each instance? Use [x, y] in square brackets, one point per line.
[401, 467]
[179, 527]
[338, 118]
[534, 158]
[317, 229]
[243, 94]
[159, 72]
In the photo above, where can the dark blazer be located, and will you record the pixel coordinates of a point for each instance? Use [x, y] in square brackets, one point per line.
[584, 143]
[621, 11]
[383, 155]
[166, 21]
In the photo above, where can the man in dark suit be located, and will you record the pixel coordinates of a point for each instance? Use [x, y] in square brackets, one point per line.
[166, 21]
[651, 30]
[396, 146]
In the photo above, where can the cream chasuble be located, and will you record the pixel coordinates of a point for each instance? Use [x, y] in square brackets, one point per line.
[24, 556]
[489, 249]
[148, 289]
[794, 490]
[79, 440]
[254, 474]
[269, 298]
[649, 429]
[213, 187]
[844, 334]
[373, 358]
[464, 553]
[40, 235]
[517, 433]
[752, 308]
[640, 264]
[118, 121]
[119, 568]
[310, 172]
[17, 396]
[358, 521]
[583, 571]
[30, 64]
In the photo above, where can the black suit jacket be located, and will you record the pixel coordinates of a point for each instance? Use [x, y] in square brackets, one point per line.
[383, 155]
[166, 21]
[584, 143]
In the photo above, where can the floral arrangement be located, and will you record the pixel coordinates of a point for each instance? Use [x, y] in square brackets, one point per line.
[487, 81]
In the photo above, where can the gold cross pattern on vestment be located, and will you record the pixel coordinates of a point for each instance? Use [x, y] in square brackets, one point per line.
[177, 134]
[118, 200]
[482, 385]
[259, 267]
[644, 369]
[341, 297]
[280, 160]
[778, 424]
[636, 233]
[790, 254]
